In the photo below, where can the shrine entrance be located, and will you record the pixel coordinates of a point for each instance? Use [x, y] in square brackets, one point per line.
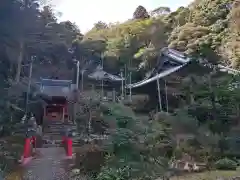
[56, 110]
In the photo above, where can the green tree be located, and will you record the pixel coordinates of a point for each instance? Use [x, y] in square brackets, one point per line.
[160, 11]
[140, 13]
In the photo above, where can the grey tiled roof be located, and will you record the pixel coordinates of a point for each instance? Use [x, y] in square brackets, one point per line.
[170, 61]
[100, 74]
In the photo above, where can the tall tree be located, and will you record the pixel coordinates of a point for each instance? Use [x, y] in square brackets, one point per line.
[160, 11]
[100, 25]
[140, 13]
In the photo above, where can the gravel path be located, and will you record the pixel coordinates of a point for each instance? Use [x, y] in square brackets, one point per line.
[50, 164]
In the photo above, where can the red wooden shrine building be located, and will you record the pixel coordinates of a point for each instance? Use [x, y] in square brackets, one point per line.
[56, 93]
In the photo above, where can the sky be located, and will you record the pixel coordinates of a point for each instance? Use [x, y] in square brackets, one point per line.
[85, 13]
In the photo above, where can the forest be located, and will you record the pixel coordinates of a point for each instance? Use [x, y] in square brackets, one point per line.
[207, 30]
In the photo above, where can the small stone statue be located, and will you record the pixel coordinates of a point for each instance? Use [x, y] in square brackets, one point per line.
[32, 122]
[23, 120]
[31, 126]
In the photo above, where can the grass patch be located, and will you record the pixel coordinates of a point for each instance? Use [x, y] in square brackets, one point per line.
[210, 175]
[13, 143]
[11, 149]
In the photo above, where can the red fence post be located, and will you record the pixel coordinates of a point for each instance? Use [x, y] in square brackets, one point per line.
[27, 148]
[69, 147]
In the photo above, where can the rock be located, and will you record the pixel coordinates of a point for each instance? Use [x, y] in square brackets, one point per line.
[221, 178]
[17, 146]
[10, 157]
[2, 142]
[79, 177]
[76, 171]
[236, 178]
[71, 165]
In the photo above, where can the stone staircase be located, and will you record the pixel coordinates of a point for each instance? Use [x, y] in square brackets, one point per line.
[54, 131]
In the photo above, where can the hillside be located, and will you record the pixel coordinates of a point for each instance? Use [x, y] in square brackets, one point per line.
[206, 28]
[206, 106]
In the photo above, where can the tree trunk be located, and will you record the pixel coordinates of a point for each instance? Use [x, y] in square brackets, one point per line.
[212, 99]
[191, 94]
[238, 113]
[19, 62]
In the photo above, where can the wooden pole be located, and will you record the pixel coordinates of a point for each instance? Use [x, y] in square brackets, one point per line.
[122, 86]
[29, 84]
[114, 95]
[166, 94]
[102, 79]
[63, 114]
[77, 78]
[159, 95]
[130, 88]
[125, 80]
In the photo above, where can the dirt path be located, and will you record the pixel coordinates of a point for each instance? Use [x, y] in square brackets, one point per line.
[49, 164]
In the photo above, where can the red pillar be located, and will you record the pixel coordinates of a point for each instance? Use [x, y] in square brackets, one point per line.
[69, 147]
[27, 148]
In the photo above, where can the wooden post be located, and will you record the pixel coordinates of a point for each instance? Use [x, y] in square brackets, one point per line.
[159, 95]
[166, 94]
[69, 147]
[68, 114]
[63, 114]
[122, 87]
[44, 110]
[27, 148]
[44, 115]
[125, 80]
[114, 95]
[130, 88]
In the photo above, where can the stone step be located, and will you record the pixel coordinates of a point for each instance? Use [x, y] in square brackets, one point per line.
[54, 130]
[50, 145]
[53, 134]
[61, 126]
[59, 123]
[52, 137]
[48, 140]
[55, 127]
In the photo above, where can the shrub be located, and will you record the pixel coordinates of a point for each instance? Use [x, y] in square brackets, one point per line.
[226, 164]
[113, 174]
[134, 148]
